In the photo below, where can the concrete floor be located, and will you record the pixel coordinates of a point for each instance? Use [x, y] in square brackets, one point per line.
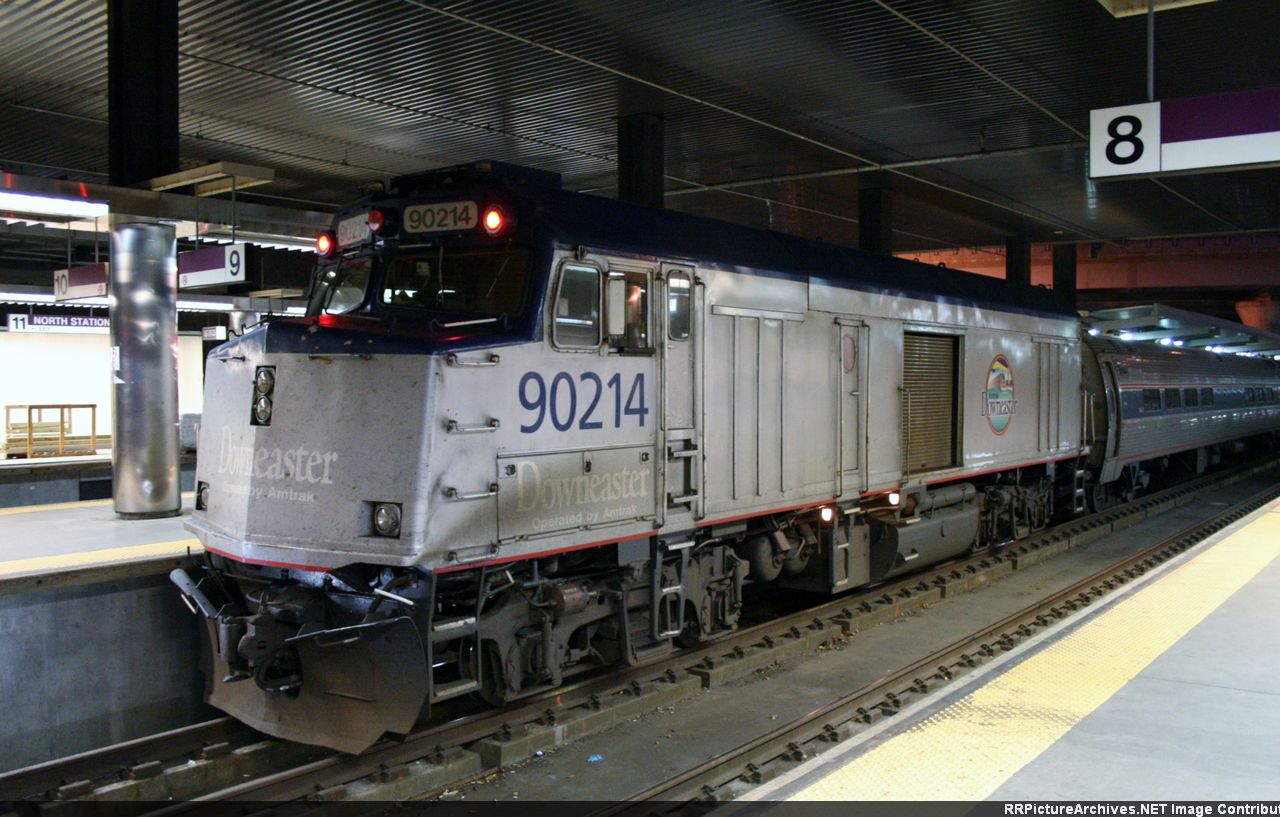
[1201, 722]
[81, 527]
[626, 759]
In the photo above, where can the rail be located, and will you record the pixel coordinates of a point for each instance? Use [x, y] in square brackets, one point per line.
[724, 776]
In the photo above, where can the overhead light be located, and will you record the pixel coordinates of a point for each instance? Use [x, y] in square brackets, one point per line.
[1166, 341]
[26, 297]
[1126, 336]
[212, 179]
[51, 205]
[1132, 8]
[1094, 332]
[206, 306]
[1177, 343]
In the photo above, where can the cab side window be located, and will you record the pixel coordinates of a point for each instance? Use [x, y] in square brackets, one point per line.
[637, 311]
[678, 292]
[577, 308]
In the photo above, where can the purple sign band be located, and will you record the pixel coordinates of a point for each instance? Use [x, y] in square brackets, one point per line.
[201, 260]
[1240, 113]
[65, 320]
[87, 275]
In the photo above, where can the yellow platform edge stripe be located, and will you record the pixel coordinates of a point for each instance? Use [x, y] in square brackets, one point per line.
[94, 558]
[974, 745]
[57, 506]
[61, 506]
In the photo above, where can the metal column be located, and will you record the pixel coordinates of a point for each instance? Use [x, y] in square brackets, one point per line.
[640, 159]
[143, 306]
[875, 213]
[1064, 275]
[142, 89]
[1017, 260]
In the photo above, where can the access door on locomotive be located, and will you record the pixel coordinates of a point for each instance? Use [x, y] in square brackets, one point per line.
[608, 407]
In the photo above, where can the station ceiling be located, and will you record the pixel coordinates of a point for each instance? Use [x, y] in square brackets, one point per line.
[774, 110]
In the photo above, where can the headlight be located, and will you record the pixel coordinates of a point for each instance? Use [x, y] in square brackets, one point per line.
[386, 519]
[264, 386]
[202, 497]
[265, 380]
[262, 410]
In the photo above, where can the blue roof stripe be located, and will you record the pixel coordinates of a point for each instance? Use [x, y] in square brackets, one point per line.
[575, 218]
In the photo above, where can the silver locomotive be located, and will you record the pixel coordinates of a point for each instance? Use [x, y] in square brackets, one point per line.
[523, 432]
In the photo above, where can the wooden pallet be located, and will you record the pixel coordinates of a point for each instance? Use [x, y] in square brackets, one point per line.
[27, 432]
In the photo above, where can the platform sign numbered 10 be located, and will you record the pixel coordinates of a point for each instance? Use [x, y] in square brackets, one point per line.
[212, 266]
[80, 282]
[1124, 141]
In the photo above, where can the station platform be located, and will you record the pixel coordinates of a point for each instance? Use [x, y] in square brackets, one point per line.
[51, 480]
[1168, 689]
[51, 545]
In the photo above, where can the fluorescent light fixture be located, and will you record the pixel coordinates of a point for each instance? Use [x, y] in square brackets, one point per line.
[1166, 341]
[26, 297]
[51, 206]
[1126, 336]
[1094, 332]
[206, 306]
[302, 310]
[1177, 343]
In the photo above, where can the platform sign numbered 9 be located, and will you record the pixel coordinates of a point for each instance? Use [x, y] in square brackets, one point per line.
[1124, 141]
[212, 266]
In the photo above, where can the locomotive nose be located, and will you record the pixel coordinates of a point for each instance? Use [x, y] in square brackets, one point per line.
[303, 446]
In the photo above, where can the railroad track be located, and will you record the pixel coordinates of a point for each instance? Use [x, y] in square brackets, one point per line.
[730, 774]
[224, 761]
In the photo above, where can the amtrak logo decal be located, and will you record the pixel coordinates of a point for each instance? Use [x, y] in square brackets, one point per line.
[998, 404]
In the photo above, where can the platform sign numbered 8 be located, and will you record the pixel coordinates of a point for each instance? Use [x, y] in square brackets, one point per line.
[1124, 141]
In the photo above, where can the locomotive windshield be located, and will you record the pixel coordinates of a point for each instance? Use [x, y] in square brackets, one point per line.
[451, 284]
[461, 283]
[340, 288]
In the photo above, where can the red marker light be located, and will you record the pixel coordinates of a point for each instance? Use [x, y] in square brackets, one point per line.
[377, 220]
[325, 244]
[494, 221]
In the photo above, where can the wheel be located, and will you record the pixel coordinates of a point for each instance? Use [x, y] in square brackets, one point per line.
[1102, 497]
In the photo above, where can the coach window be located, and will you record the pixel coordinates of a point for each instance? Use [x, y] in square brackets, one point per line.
[577, 312]
[1150, 399]
[1190, 398]
[678, 292]
[1172, 398]
[1206, 397]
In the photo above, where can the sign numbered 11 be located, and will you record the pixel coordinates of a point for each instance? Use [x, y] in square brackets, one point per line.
[1124, 141]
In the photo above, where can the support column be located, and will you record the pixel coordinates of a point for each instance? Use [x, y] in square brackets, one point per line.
[142, 114]
[1017, 260]
[640, 159]
[875, 213]
[142, 89]
[143, 307]
[1064, 275]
